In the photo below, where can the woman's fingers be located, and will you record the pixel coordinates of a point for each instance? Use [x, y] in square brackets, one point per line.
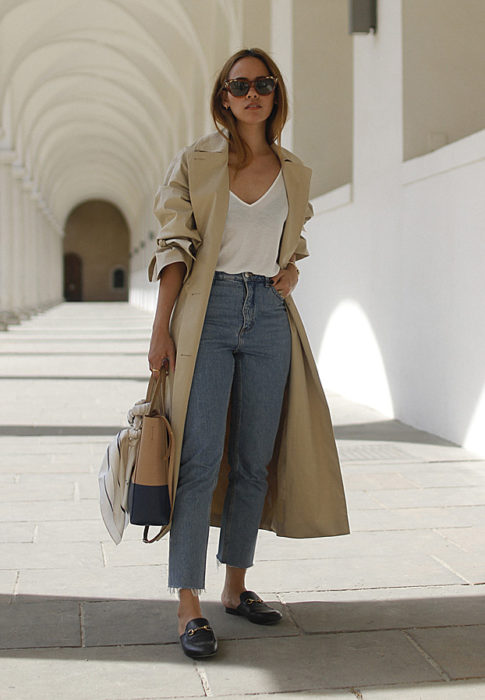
[285, 281]
[162, 355]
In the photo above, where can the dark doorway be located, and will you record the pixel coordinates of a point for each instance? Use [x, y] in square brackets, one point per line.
[98, 233]
[73, 277]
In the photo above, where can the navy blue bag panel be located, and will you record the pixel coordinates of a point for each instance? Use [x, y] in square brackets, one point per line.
[148, 505]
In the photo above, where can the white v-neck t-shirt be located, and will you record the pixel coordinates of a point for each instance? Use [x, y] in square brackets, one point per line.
[252, 234]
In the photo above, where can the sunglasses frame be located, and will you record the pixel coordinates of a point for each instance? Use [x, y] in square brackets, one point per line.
[250, 84]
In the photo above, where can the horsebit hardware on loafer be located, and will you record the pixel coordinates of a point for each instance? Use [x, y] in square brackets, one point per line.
[191, 632]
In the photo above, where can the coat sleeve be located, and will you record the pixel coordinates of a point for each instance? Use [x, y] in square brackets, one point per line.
[301, 250]
[178, 238]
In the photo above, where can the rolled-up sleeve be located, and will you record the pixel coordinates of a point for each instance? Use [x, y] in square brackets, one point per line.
[301, 250]
[178, 238]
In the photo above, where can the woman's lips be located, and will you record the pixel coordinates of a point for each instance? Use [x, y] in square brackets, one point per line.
[253, 107]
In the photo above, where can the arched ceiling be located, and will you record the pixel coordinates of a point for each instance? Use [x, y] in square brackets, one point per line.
[97, 95]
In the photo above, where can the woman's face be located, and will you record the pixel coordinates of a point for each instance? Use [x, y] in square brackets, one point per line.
[251, 108]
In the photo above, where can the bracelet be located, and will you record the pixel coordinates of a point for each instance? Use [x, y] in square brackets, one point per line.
[293, 263]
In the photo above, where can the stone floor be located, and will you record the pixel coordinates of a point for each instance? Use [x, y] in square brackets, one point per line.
[396, 610]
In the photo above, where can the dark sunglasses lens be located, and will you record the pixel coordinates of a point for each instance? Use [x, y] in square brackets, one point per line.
[238, 88]
[265, 86]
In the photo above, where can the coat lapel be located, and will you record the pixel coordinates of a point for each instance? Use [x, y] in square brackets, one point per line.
[297, 182]
[209, 189]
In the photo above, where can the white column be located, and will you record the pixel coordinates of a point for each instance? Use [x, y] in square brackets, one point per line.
[6, 240]
[282, 51]
[378, 107]
[37, 246]
[59, 263]
[43, 282]
[18, 258]
[29, 239]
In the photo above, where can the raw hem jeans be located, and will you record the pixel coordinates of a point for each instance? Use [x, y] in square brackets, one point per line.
[245, 347]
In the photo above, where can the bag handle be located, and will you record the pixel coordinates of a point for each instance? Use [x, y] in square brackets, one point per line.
[156, 391]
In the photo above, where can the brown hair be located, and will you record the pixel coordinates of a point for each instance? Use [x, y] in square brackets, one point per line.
[224, 118]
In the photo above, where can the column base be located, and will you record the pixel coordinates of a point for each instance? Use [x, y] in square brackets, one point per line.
[8, 318]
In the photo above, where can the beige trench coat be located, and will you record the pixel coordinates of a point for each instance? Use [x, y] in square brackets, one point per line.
[305, 495]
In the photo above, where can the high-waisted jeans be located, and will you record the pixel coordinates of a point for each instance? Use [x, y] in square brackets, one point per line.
[245, 347]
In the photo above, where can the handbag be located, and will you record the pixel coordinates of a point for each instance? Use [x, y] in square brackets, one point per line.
[150, 491]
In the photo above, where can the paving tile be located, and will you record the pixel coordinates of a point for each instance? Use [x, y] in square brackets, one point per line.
[50, 464]
[17, 532]
[316, 661]
[44, 624]
[456, 690]
[362, 500]
[375, 481]
[54, 490]
[351, 572]
[36, 479]
[395, 608]
[35, 511]
[144, 582]
[85, 531]
[446, 474]
[52, 555]
[432, 497]
[7, 584]
[298, 695]
[130, 622]
[369, 544]
[416, 518]
[458, 650]
[134, 552]
[99, 673]
[470, 539]
[470, 568]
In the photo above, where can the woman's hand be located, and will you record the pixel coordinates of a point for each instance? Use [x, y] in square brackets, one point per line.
[285, 280]
[162, 348]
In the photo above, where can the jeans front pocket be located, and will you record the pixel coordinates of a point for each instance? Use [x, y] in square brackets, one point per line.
[276, 293]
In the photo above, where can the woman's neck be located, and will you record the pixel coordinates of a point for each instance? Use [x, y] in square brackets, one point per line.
[254, 136]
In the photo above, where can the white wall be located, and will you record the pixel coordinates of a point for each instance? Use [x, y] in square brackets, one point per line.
[398, 263]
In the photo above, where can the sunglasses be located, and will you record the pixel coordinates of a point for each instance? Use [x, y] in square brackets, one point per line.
[238, 87]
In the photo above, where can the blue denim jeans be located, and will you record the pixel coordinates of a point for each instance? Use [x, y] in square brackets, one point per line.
[245, 347]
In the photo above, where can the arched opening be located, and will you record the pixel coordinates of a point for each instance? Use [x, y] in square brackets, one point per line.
[73, 277]
[118, 278]
[97, 233]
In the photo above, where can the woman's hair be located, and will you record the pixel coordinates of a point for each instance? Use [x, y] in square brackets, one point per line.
[223, 118]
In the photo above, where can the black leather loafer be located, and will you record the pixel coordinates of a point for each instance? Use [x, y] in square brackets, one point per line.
[255, 610]
[198, 640]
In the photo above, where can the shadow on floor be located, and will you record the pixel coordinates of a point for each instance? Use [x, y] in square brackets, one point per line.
[389, 431]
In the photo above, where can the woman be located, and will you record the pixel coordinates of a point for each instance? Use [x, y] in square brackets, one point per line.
[231, 211]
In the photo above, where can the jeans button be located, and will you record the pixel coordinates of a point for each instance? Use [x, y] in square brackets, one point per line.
[247, 274]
